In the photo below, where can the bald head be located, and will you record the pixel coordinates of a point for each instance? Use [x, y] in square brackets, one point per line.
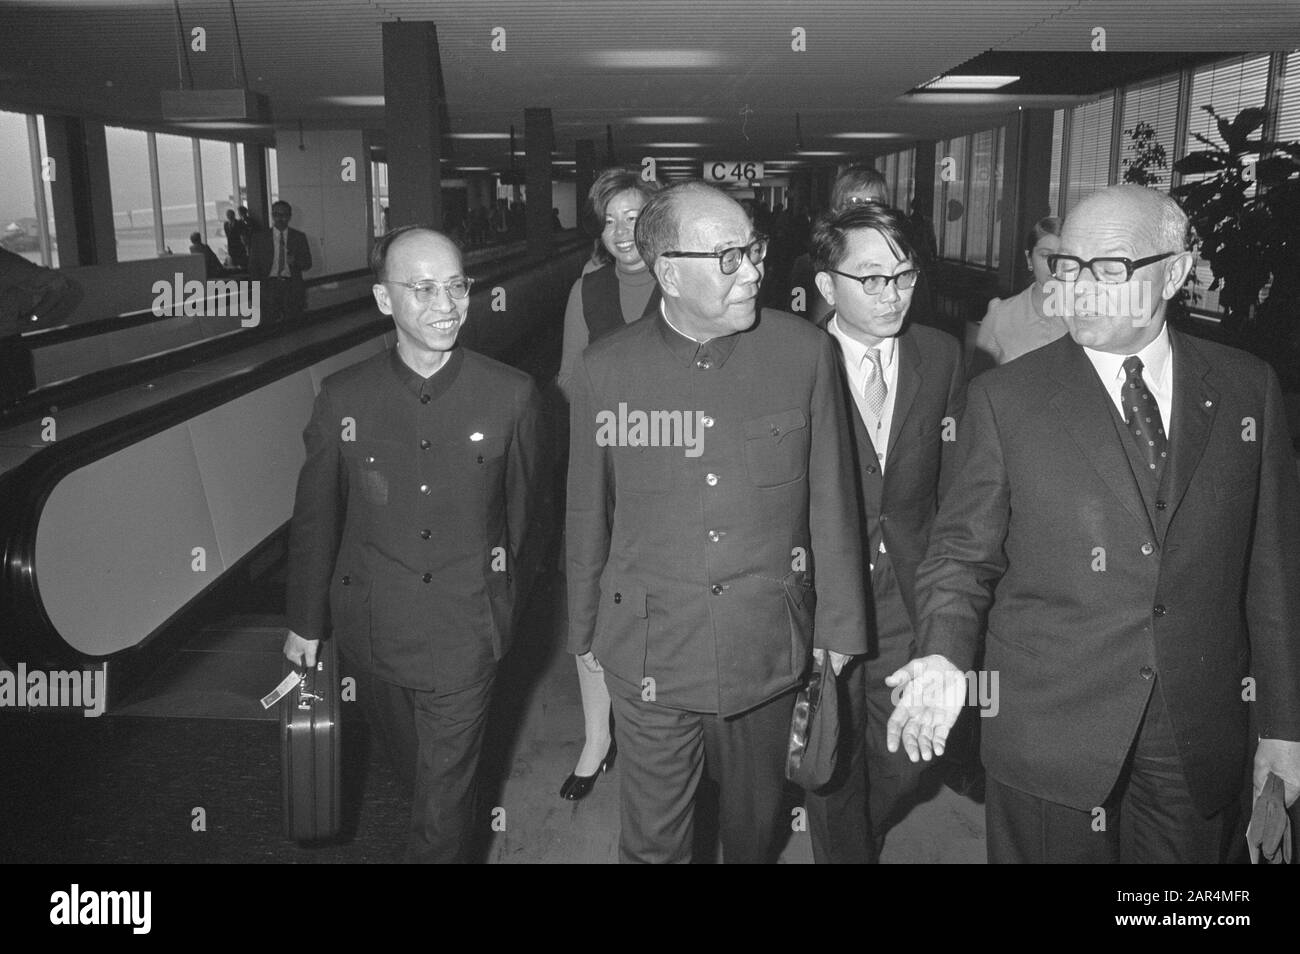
[668, 220]
[1153, 220]
[402, 243]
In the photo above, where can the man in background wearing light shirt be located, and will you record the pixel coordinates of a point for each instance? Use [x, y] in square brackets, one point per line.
[1125, 515]
[904, 391]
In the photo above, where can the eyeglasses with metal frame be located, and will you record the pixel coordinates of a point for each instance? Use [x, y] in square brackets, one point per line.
[457, 289]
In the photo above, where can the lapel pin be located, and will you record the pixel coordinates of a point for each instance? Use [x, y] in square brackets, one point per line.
[476, 436]
[1209, 404]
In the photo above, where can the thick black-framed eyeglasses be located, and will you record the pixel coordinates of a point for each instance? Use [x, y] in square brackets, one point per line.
[876, 284]
[729, 258]
[1109, 270]
[457, 289]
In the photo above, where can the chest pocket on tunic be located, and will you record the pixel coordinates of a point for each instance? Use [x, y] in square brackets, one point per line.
[373, 467]
[776, 448]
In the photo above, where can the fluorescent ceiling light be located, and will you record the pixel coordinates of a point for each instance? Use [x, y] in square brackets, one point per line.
[946, 83]
[656, 59]
[666, 121]
[483, 135]
[674, 145]
[352, 100]
[867, 135]
[818, 152]
[473, 169]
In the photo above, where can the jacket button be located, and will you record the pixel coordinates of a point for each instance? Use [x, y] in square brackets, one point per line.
[1161, 505]
[716, 589]
[704, 364]
[424, 534]
[1146, 672]
[706, 421]
[370, 460]
[618, 597]
[425, 399]
[711, 479]
[714, 536]
[872, 468]
[776, 431]
[428, 577]
[425, 445]
[347, 580]
[1159, 609]
[478, 459]
[424, 489]
[1148, 549]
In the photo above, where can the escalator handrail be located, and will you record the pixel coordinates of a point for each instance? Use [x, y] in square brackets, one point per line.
[28, 486]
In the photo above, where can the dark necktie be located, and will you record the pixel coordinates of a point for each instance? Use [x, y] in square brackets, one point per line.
[1142, 414]
[279, 268]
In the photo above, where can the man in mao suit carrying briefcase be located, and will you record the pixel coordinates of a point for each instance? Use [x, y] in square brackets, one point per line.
[408, 529]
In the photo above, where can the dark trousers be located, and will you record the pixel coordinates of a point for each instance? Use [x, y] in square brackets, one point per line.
[434, 740]
[1149, 818]
[849, 817]
[282, 300]
[665, 752]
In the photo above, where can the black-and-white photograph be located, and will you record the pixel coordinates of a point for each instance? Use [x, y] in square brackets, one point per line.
[650, 431]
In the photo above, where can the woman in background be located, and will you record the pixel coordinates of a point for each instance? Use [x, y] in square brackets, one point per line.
[1020, 324]
[615, 290]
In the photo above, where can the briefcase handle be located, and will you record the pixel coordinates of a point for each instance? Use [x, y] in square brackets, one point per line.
[307, 696]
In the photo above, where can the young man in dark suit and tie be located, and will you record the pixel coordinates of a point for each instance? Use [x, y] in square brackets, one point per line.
[694, 547]
[278, 257]
[408, 528]
[904, 390]
[1125, 514]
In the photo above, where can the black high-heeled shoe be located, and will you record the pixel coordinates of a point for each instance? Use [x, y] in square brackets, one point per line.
[577, 786]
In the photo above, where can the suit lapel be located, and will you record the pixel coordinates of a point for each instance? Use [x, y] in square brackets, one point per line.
[1195, 402]
[866, 446]
[1087, 416]
[909, 382]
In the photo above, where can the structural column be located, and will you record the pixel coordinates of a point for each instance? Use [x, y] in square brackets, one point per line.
[539, 142]
[1026, 184]
[83, 203]
[584, 154]
[414, 111]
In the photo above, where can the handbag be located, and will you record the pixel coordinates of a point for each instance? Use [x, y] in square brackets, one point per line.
[814, 728]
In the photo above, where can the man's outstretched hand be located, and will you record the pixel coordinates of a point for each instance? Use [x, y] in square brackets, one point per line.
[930, 692]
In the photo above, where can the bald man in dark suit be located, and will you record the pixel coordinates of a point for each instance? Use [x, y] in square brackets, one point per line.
[1125, 514]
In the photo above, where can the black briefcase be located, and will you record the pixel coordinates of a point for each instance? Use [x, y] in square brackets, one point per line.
[310, 751]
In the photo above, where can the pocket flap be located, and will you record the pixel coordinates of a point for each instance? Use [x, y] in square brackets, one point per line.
[629, 597]
[776, 425]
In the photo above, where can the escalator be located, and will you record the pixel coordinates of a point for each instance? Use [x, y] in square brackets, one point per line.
[163, 493]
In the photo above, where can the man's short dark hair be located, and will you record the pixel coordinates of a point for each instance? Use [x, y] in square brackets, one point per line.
[379, 254]
[831, 232]
[281, 204]
[657, 228]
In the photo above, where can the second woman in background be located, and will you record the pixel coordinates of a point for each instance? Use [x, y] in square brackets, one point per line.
[615, 290]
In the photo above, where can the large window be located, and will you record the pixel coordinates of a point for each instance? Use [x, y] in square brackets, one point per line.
[1089, 143]
[968, 196]
[129, 186]
[26, 202]
[220, 191]
[180, 214]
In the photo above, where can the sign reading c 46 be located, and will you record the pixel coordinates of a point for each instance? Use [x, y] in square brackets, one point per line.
[746, 172]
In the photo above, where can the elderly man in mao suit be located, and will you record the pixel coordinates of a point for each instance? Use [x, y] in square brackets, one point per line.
[278, 257]
[408, 529]
[1125, 513]
[904, 389]
[701, 574]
